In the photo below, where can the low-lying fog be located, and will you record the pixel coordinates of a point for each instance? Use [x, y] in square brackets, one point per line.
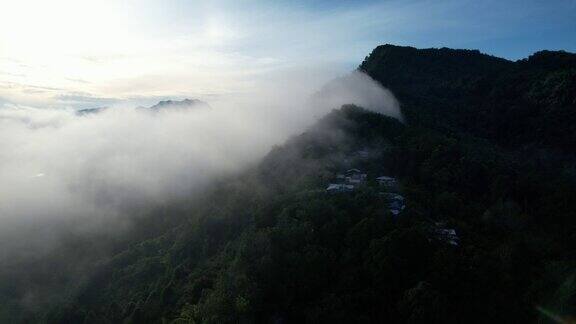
[63, 172]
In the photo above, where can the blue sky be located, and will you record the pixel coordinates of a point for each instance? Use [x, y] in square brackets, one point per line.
[86, 53]
[511, 29]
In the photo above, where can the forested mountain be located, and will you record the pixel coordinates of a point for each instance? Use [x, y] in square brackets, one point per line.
[530, 102]
[486, 150]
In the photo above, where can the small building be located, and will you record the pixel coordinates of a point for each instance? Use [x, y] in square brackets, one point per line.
[363, 154]
[351, 172]
[387, 182]
[339, 187]
[395, 202]
[347, 181]
[447, 235]
[355, 176]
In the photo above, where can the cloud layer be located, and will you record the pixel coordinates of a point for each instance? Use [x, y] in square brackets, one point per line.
[58, 166]
[74, 185]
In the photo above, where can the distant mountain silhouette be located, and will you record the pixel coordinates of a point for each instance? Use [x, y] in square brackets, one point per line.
[182, 104]
[161, 105]
[90, 111]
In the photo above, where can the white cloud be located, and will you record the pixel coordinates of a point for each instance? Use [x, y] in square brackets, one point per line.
[60, 168]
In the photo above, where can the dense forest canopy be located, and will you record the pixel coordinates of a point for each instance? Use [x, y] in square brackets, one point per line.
[514, 104]
[486, 150]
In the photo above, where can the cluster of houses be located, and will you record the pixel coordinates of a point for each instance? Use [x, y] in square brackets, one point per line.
[354, 178]
[348, 181]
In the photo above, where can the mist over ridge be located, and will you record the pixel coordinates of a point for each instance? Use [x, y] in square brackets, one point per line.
[58, 166]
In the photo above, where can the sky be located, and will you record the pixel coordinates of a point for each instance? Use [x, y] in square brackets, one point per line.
[82, 54]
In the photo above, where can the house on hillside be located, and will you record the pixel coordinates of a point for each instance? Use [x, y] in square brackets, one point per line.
[355, 176]
[446, 235]
[339, 187]
[394, 202]
[351, 172]
[363, 154]
[387, 183]
[347, 181]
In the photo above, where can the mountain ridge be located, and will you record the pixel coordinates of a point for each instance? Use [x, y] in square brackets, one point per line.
[465, 90]
[161, 105]
[182, 104]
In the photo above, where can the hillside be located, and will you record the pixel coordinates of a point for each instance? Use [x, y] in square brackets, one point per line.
[530, 102]
[485, 152]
